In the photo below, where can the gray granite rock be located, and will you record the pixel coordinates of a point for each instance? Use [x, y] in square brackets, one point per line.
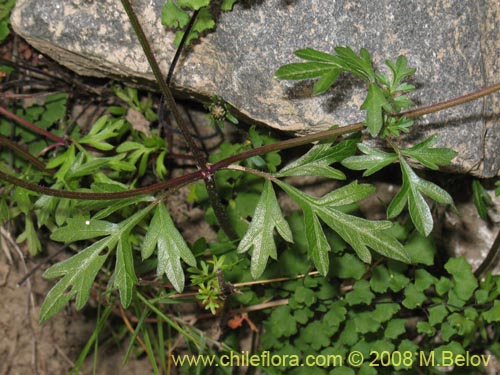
[455, 45]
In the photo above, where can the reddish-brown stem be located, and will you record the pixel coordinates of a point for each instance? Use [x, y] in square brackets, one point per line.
[24, 154]
[419, 112]
[290, 143]
[33, 127]
[151, 189]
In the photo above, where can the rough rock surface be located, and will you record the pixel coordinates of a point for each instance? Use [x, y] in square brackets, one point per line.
[454, 44]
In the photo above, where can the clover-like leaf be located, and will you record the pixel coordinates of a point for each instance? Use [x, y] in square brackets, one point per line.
[316, 162]
[163, 235]
[259, 236]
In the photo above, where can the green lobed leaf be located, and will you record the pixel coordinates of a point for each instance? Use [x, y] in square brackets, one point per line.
[227, 5]
[318, 246]
[357, 232]
[312, 54]
[79, 273]
[481, 199]
[103, 130]
[360, 66]
[193, 4]
[346, 195]
[421, 249]
[317, 160]
[428, 156]
[410, 193]
[305, 70]
[173, 16]
[464, 281]
[493, 314]
[78, 229]
[124, 277]
[360, 294]
[400, 71]
[373, 160]
[259, 237]
[413, 297]
[325, 81]
[163, 235]
[374, 104]
[437, 314]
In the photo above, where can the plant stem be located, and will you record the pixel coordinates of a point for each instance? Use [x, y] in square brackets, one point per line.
[24, 154]
[283, 145]
[36, 129]
[419, 112]
[200, 158]
[491, 259]
[165, 89]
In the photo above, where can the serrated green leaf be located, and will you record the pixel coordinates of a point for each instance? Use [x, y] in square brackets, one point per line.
[311, 54]
[325, 82]
[163, 235]
[316, 334]
[345, 195]
[481, 199]
[423, 279]
[357, 232]
[428, 156]
[318, 245]
[259, 236]
[124, 277]
[318, 158]
[78, 229]
[400, 71]
[374, 104]
[304, 296]
[305, 70]
[373, 160]
[78, 272]
[30, 236]
[411, 193]
[384, 311]
[360, 66]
